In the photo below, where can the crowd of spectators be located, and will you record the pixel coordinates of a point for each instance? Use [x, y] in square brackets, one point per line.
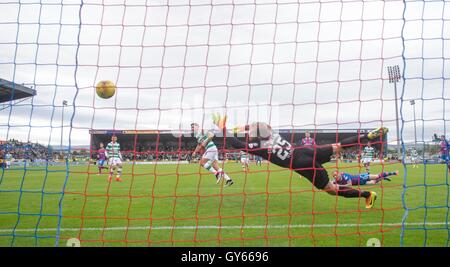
[144, 151]
[21, 151]
[168, 150]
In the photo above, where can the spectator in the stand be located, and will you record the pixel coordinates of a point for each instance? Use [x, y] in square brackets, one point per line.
[22, 151]
[308, 140]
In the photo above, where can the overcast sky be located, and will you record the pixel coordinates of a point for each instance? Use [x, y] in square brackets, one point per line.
[314, 64]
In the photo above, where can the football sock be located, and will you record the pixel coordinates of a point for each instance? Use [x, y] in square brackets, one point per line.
[208, 167]
[224, 174]
[386, 174]
[352, 193]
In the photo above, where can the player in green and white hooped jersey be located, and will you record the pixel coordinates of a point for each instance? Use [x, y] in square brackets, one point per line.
[210, 157]
[114, 159]
[244, 160]
[367, 157]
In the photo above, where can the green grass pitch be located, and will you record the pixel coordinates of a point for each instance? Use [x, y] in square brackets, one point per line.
[181, 205]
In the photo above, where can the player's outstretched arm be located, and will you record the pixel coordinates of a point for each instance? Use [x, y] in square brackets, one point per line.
[356, 140]
[197, 149]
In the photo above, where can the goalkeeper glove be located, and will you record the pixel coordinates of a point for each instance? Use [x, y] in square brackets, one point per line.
[219, 121]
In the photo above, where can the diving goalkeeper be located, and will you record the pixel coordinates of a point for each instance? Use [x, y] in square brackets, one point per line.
[306, 161]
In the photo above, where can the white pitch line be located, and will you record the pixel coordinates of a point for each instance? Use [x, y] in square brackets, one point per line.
[283, 226]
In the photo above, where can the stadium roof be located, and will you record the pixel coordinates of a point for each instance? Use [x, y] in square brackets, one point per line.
[12, 91]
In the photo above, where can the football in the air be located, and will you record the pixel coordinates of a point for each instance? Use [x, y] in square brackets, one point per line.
[105, 89]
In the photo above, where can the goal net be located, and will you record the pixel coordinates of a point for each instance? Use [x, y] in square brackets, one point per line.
[333, 69]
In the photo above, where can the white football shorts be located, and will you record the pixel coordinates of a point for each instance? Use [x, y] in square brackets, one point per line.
[211, 154]
[114, 161]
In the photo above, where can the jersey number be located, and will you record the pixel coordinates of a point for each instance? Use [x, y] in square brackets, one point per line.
[282, 149]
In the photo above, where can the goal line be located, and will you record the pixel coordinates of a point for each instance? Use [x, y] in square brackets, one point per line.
[279, 226]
